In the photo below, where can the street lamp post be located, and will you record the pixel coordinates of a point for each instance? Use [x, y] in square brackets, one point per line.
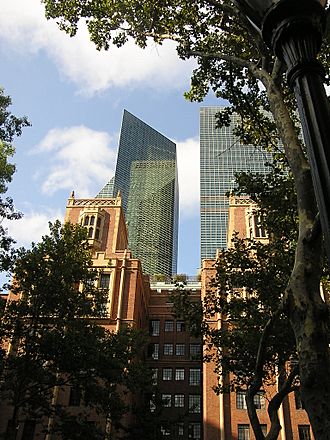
[294, 30]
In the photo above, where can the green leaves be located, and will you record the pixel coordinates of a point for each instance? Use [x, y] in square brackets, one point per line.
[55, 340]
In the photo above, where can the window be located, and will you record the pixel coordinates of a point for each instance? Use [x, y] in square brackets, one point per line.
[165, 430]
[28, 430]
[297, 400]
[240, 400]
[243, 432]
[179, 400]
[167, 400]
[152, 405]
[304, 432]
[154, 376]
[194, 376]
[180, 349]
[168, 349]
[179, 374]
[180, 326]
[195, 431]
[105, 281]
[75, 396]
[169, 326]
[167, 373]
[180, 429]
[153, 351]
[93, 227]
[154, 327]
[194, 403]
[195, 351]
[259, 400]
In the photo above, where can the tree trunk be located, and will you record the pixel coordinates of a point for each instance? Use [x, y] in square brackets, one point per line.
[308, 313]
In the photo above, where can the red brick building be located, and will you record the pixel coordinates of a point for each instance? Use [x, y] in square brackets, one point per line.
[191, 408]
[225, 416]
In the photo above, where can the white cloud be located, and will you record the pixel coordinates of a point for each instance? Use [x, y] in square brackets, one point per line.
[188, 173]
[24, 28]
[76, 158]
[32, 226]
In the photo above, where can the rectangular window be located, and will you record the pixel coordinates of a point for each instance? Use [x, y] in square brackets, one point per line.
[180, 429]
[179, 400]
[165, 431]
[105, 281]
[153, 351]
[180, 349]
[168, 349]
[28, 430]
[154, 327]
[179, 374]
[194, 403]
[194, 376]
[243, 432]
[75, 396]
[167, 400]
[195, 351]
[240, 400]
[152, 404]
[154, 376]
[167, 373]
[180, 326]
[259, 400]
[195, 431]
[169, 326]
[304, 432]
[297, 400]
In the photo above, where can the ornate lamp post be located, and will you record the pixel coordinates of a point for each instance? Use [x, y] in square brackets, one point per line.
[294, 30]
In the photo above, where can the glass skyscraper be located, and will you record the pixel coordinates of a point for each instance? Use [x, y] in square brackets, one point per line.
[146, 176]
[221, 156]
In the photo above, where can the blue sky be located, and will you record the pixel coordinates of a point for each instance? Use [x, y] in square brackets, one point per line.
[74, 97]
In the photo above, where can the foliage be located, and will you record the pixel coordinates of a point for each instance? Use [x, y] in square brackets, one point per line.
[10, 127]
[53, 326]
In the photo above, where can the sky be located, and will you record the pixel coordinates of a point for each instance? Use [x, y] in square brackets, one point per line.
[74, 97]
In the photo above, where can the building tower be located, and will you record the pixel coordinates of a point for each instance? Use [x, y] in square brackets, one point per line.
[146, 176]
[221, 156]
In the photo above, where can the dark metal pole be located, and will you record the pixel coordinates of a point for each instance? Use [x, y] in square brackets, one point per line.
[296, 40]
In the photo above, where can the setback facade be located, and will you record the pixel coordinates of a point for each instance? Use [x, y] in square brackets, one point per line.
[221, 156]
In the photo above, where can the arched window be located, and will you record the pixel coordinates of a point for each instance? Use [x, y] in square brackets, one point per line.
[90, 233]
[86, 221]
[92, 220]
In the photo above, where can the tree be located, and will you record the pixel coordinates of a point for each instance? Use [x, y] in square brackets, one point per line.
[56, 340]
[235, 63]
[257, 346]
[10, 127]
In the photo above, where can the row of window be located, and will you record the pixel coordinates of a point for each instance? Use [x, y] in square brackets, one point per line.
[93, 225]
[154, 326]
[178, 401]
[259, 400]
[170, 373]
[243, 432]
[175, 349]
[194, 430]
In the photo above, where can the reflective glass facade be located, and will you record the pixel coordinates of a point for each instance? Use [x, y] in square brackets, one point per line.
[107, 190]
[221, 156]
[146, 175]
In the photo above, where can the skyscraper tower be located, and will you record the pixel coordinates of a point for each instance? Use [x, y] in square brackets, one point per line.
[146, 176]
[221, 156]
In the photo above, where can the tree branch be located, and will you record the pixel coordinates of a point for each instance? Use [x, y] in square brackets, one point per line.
[256, 383]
